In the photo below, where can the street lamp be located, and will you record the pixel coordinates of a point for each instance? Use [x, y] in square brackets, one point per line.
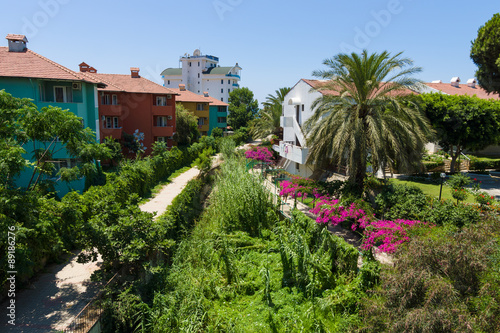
[443, 176]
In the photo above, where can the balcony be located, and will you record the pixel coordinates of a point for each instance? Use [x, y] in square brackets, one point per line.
[163, 131]
[111, 110]
[113, 132]
[168, 110]
[292, 152]
[203, 128]
[236, 85]
[202, 114]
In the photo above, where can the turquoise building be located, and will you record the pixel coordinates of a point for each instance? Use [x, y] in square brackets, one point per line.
[26, 74]
[217, 114]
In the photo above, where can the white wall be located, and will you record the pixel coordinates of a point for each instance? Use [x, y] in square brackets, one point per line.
[301, 93]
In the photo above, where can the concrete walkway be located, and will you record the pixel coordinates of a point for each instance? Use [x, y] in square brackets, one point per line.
[162, 200]
[53, 299]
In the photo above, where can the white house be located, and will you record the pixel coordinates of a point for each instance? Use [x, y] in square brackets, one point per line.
[297, 109]
[200, 73]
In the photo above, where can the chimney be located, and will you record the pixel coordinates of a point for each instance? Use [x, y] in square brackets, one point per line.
[205, 93]
[437, 81]
[17, 43]
[455, 81]
[134, 72]
[182, 87]
[471, 83]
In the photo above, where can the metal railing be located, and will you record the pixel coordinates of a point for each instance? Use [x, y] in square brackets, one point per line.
[91, 313]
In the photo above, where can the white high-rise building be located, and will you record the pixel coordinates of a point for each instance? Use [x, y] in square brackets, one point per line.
[202, 73]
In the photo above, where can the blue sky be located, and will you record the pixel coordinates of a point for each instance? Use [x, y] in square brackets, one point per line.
[275, 42]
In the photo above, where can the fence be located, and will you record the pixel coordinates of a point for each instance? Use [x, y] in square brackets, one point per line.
[91, 313]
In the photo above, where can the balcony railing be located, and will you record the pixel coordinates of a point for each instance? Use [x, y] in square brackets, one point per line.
[163, 131]
[167, 110]
[292, 152]
[111, 110]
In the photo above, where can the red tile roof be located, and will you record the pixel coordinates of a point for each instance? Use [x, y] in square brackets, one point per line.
[28, 64]
[462, 89]
[188, 96]
[16, 37]
[216, 102]
[126, 83]
[316, 84]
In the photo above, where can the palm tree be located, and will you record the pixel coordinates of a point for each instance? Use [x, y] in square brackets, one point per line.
[361, 115]
[268, 121]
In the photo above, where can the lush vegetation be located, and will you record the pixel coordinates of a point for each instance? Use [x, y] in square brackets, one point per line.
[242, 269]
[267, 121]
[462, 122]
[485, 52]
[186, 124]
[242, 108]
[364, 118]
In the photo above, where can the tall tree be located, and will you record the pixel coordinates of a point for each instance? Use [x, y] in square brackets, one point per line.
[362, 116]
[43, 133]
[186, 126]
[242, 107]
[268, 119]
[485, 53]
[462, 122]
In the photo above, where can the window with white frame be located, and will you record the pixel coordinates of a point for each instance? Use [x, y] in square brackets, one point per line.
[161, 139]
[161, 100]
[161, 121]
[105, 99]
[63, 94]
[112, 122]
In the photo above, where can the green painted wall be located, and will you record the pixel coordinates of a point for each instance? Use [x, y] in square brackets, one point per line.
[213, 119]
[41, 91]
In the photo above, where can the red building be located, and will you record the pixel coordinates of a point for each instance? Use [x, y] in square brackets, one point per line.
[131, 103]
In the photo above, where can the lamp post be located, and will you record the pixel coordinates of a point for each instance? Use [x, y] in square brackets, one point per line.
[443, 176]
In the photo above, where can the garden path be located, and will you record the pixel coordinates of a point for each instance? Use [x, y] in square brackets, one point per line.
[54, 298]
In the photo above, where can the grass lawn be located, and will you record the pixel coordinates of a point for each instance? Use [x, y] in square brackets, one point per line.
[432, 189]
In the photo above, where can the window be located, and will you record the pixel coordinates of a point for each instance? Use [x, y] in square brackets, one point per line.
[198, 76]
[201, 121]
[221, 120]
[302, 107]
[111, 122]
[221, 81]
[222, 109]
[161, 100]
[114, 100]
[297, 166]
[228, 81]
[161, 121]
[105, 99]
[229, 90]
[63, 94]
[222, 99]
[161, 139]
[222, 90]
[199, 107]
[198, 66]
[168, 82]
[189, 64]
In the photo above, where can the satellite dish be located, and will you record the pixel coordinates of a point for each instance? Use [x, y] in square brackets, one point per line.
[197, 53]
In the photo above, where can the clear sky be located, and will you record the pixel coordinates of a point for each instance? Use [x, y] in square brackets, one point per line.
[275, 42]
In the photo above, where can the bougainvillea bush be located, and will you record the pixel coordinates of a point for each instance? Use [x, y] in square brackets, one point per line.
[259, 154]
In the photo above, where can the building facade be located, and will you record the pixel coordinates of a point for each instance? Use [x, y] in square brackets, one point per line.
[130, 104]
[202, 73]
[26, 74]
[197, 105]
[218, 114]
